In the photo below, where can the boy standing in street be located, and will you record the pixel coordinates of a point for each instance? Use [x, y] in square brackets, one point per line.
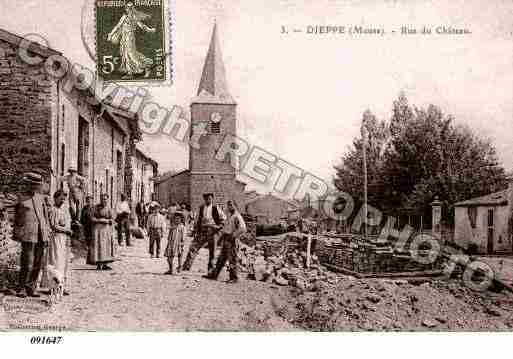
[156, 227]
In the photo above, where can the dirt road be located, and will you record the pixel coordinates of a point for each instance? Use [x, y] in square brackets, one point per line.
[136, 295]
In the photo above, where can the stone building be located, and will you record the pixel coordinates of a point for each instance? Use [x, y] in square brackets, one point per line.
[214, 106]
[486, 223]
[144, 169]
[269, 209]
[48, 130]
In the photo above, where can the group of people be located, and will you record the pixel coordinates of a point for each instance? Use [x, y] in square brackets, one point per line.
[44, 226]
[211, 228]
[44, 230]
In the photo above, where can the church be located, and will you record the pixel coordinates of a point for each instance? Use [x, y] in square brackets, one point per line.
[215, 107]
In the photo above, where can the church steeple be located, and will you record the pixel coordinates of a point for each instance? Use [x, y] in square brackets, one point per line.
[213, 87]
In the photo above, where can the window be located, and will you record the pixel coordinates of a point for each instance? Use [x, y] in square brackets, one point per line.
[107, 181]
[472, 216]
[491, 230]
[111, 191]
[215, 127]
[119, 172]
[112, 146]
[63, 158]
[490, 217]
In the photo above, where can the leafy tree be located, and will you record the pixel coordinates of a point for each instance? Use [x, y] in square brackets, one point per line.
[349, 174]
[420, 154]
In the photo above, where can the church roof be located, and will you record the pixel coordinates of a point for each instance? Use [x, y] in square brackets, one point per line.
[213, 88]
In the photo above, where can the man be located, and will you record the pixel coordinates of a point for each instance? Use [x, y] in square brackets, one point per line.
[156, 228]
[209, 222]
[171, 210]
[85, 219]
[77, 188]
[123, 220]
[232, 230]
[140, 210]
[32, 229]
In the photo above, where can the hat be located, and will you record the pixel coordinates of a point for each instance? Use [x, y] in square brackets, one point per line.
[33, 178]
[179, 214]
[205, 195]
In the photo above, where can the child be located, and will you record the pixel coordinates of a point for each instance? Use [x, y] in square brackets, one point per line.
[156, 228]
[175, 241]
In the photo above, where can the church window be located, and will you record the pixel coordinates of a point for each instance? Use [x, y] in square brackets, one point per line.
[215, 127]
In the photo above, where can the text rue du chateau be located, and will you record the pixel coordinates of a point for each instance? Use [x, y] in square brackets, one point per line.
[376, 30]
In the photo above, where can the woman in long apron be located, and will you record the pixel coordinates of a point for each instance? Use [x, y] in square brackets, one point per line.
[101, 250]
[59, 246]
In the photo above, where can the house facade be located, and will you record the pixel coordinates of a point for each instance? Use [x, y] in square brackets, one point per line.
[486, 223]
[145, 169]
[48, 130]
[269, 209]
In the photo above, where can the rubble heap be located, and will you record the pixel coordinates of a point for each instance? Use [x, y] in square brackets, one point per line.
[283, 261]
[386, 304]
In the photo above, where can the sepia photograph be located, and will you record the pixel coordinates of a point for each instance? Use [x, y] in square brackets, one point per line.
[272, 166]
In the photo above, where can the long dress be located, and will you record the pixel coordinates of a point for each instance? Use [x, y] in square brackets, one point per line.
[101, 248]
[175, 241]
[132, 61]
[58, 255]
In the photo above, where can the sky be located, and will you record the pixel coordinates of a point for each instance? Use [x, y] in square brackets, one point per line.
[302, 96]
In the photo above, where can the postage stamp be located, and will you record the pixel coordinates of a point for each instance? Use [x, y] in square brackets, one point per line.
[131, 40]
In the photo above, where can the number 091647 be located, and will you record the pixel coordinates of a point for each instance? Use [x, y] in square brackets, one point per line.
[45, 340]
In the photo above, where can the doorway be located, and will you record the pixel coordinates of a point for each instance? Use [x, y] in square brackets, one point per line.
[491, 230]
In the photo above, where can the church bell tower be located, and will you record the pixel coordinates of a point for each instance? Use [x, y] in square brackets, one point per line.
[216, 108]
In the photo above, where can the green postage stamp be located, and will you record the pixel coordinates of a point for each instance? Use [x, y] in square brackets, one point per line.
[131, 40]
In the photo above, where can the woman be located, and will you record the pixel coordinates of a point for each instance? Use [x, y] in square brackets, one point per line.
[132, 61]
[101, 250]
[59, 245]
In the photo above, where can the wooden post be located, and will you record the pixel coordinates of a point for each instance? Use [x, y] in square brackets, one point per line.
[308, 249]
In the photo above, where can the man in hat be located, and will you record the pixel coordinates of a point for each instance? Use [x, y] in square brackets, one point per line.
[209, 222]
[32, 229]
[77, 187]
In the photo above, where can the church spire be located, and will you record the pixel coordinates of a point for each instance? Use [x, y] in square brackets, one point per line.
[213, 87]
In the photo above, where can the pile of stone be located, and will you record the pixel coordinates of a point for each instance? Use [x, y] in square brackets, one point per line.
[284, 263]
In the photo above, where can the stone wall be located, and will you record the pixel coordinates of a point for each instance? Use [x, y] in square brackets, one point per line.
[144, 171]
[203, 160]
[27, 95]
[224, 187]
[272, 207]
[174, 189]
[108, 140]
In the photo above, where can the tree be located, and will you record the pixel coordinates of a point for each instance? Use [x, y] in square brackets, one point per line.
[349, 174]
[419, 155]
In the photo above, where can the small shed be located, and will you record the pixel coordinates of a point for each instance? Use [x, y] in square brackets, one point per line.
[485, 223]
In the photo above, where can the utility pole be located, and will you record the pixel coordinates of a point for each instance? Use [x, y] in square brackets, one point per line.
[365, 193]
